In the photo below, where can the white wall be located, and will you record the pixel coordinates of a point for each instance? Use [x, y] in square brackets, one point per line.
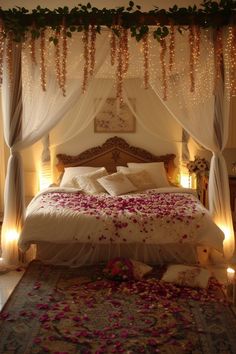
[160, 139]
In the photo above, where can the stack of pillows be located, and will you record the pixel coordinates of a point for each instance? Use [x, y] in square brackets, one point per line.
[135, 177]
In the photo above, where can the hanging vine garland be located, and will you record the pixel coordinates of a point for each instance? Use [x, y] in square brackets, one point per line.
[171, 47]
[86, 60]
[113, 45]
[191, 58]
[163, 67]
[21, 24]
[125, 50]
[57, 56]
[146, 61]
[42, 60]
[64, 59]
[92, 49]
[9, 48]
[119, 71]
[218, 52]
[233, 61]
[2, 40]
[32, 45]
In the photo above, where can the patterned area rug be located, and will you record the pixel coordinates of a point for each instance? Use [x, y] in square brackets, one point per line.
[66, 311]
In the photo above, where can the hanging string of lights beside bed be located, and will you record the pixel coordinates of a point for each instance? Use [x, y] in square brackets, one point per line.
[35, 29]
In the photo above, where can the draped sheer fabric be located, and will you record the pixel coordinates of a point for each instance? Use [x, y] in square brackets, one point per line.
[203, 114]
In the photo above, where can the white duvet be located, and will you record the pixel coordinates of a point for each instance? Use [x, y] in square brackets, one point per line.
[160, 216]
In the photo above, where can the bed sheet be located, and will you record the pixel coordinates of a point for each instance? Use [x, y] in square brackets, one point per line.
[161, 216]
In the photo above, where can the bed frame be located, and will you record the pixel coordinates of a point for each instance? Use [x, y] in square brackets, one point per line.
[114, 152]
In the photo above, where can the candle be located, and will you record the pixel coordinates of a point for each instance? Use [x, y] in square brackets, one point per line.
[230, 274]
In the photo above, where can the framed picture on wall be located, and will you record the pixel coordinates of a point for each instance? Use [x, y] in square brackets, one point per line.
[115, 118]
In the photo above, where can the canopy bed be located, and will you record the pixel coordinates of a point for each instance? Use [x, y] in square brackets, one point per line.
[77, 226]
[41, 80]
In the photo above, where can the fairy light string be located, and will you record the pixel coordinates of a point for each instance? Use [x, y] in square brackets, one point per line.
[85, 39]
[122, 62]
[9, 58]
[32, 45]
[218, 54]
[191, 58]
[64, 59]
[163, 68]
[233, 61]
[43, 59]
[145, 43]
[113, 46]
[92, 49]
[2, 40]
[171, 47]
[57, 56]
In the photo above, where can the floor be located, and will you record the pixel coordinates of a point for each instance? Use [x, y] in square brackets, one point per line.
[9, 280]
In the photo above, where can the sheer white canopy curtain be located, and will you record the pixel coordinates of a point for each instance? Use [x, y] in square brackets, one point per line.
[196, 101]
[29, 114]
[204, 114]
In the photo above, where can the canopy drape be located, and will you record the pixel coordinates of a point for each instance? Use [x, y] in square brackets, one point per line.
[202, 112]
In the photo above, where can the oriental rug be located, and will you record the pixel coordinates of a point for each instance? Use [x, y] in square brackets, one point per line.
[61, 310]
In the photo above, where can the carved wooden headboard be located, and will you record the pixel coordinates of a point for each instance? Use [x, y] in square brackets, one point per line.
[114, 152]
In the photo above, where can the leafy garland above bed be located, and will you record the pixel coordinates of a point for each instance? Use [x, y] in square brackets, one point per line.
[19, 21]
[20, 25]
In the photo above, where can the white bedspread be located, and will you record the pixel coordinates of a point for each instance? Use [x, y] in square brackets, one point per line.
[160, 216]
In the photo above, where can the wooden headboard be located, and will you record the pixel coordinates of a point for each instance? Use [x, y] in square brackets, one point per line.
[114, 152]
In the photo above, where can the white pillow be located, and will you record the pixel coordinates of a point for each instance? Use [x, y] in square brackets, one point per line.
[194, 277]
[117, 184]
[88, 182]
[71, 172]
[155, 169]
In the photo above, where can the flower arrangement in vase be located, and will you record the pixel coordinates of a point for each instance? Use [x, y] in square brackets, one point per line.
[200, 167]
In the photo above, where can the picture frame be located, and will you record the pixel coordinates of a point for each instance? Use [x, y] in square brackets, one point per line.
[115, 117]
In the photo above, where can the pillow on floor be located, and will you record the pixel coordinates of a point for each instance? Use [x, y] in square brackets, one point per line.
[194, 277]
[140, 269]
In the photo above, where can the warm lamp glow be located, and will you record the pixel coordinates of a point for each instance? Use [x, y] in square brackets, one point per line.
[230, 274]
[185, 180]
[12, 235]
[45, 176]
[225, 230]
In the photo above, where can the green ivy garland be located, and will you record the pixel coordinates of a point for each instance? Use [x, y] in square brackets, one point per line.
[19, 22]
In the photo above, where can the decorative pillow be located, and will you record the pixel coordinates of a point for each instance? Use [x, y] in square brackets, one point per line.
[88, 182]
[194, 277]
[140, 269]
[142, 180]
[71, 172]
[117, 184]
[156, 171]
